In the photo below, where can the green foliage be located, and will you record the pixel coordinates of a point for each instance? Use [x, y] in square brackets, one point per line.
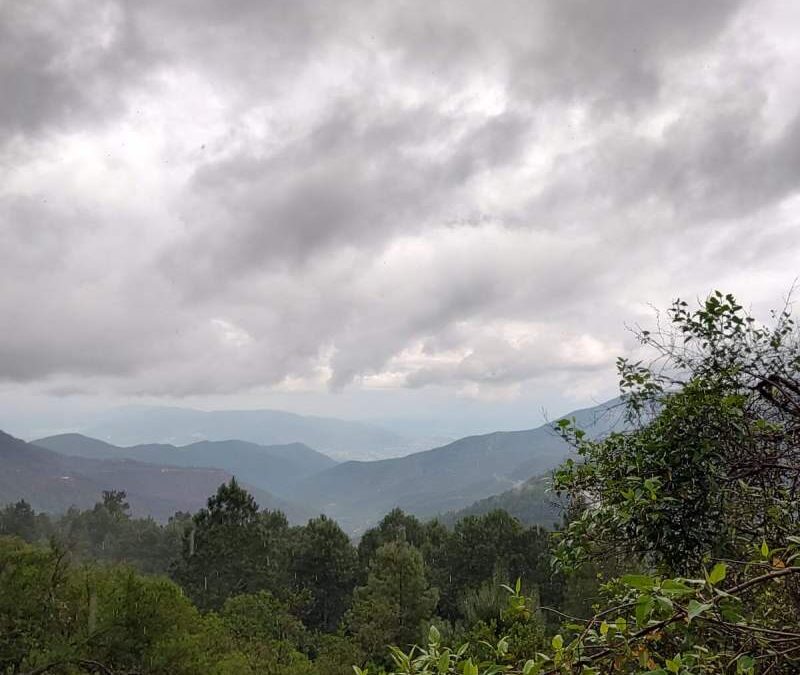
[20, 520]
[395, 601]
[324, 562]
[699, 493]
[54, 614]
[82, 605]
[399, 526]
[484, 547]
[208, 568]
[711, 470]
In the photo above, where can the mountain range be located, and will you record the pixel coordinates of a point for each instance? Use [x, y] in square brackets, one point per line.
[53, 482]
[275, 468]
[340, 439]
[447, 478]
[468, 474]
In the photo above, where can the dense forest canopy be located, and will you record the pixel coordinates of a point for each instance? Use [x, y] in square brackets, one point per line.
[679, 552]
[249, 592]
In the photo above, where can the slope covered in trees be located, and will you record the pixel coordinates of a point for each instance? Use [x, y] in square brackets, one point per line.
[446, 478]
[54, 482]
[253, 593]
[358, 494]
[531, 503]
[275, 468]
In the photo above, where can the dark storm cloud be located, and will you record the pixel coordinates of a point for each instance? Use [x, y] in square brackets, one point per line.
[209, 197]
[66, 66]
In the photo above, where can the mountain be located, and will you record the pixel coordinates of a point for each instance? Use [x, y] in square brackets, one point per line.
[340, 439]
[53, 482]
[447, 478]
[530, 503]
[271, 467]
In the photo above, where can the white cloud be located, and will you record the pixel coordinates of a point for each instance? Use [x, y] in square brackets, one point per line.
[467, 197]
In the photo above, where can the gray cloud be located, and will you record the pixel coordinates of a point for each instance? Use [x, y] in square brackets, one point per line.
[66, 66]
[207, 198]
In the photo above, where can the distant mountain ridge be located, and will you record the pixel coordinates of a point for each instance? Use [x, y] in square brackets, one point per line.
[275, 468]
[448, 478]
[340, 439]
[53, 482]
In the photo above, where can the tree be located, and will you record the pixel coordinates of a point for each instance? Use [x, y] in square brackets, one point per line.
[394, 526]
[59, 617]
[710, 466]
[324, 562]
[33, 607]
[20, 520]
[392, 606]
[230, 548]
[266, 633]
[482, 548]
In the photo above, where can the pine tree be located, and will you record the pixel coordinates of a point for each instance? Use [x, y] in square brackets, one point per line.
[324, 562]
[395, 602]
[231, 548]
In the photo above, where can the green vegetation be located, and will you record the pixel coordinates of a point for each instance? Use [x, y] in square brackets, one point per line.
[236, 589]
[531, 503]
[679, 553]
[697, 498]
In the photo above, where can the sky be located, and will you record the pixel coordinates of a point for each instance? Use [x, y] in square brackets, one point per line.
[447, 214]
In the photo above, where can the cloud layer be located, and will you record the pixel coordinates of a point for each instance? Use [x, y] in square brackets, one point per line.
[208, 198]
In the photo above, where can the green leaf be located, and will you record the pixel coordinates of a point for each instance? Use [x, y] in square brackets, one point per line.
[665, 604]
[673, 587]
[674, 665]
[764, 549]
[697, 608]
[730, 610]
[644, 606]
[639, 581]
[718, 573]
[557, 642]
[745, 664]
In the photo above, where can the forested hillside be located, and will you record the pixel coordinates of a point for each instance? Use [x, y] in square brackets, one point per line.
[358, 494]
[531, 503]
[447, 478]
[253, 593]
[54, 482]
[275, 468]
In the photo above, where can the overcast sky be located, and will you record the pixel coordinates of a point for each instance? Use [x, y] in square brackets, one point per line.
[380, 209]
